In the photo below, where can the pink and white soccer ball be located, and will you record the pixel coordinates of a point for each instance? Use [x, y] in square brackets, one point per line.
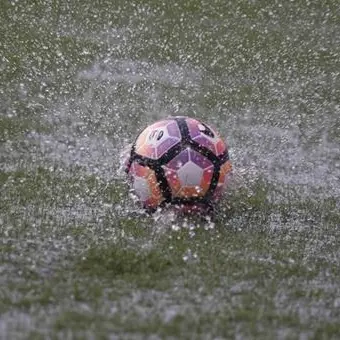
[178, 161]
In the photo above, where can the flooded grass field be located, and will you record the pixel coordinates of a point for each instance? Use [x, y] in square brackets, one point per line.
[79, 80]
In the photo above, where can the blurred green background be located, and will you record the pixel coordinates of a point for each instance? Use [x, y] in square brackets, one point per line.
[78, 81]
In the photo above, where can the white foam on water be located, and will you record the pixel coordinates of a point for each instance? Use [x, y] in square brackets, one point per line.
[282, 157]
[134, 72]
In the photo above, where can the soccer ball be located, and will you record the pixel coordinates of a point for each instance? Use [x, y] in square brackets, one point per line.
[178, 161]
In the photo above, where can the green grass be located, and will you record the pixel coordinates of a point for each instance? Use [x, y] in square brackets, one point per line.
[12, 128]
[247, 269]
[76, 258]
[224, 276]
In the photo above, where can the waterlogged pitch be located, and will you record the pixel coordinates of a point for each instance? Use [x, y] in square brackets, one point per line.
[79, 80]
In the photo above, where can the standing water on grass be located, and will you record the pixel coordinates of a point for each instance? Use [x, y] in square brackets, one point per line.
[79, 81]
